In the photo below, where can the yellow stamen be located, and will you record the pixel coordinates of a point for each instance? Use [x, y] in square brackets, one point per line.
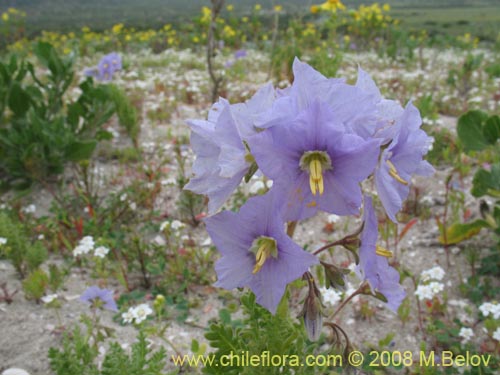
[383, 252]
[263, 247]
[316, 177]
[394, 173]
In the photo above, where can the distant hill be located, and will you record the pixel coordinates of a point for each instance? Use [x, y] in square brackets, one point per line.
[66, 15]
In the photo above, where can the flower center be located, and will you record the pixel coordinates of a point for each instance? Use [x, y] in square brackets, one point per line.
[263, 247]
[394, 173]
[314, 163]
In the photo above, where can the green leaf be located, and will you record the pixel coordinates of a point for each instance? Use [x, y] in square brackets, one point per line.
[487, 182]
[19, 100]
[470, 130]
[80, 150]
[492, 129]
[459, 232]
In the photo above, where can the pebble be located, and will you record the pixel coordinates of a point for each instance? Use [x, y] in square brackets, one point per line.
[15, 371]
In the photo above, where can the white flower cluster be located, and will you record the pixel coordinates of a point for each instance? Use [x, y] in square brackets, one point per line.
[432, 288]
[3, 241]
[492, 309]
[49, 298]
[496, 334]
[330, 296]
[466, 334]
[137, 314]
[434, 273]
[428, 291]
[174, 225]
[86, 245]
[30, 209]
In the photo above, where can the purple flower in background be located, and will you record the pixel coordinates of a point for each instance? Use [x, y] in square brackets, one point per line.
[256, 252]
[402, 159]
[222, 159]
[314, 163]
[99, 297]
[106, 68]
[373, 264]
[239, 54]
[108, 65]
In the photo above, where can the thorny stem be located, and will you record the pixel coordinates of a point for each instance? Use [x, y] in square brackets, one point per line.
[217, 80]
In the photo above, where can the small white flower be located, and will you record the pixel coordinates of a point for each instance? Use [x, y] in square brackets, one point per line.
[330, 296]
[332, 219]
[466, 334]
[123, 197]
[41, 237]
[423, 292]
[176, 225]
[489, 308]
[87, 240]
[434, 273]
[101, 251]
[49, 298]
[30, 209]
[141, 312]
[169, 181]
[128, 317]
[133, 206]
[3, 241]
[496, 334]
[164, 225]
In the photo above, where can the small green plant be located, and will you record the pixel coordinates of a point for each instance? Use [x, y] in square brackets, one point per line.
[25, 255]
[79, 357]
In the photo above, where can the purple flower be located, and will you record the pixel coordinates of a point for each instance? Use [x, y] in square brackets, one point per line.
[239, 54]
[381, 124]
[99, 297]
[375, 268]
[222, 160]
[401, 160]
[349, 103]
[256, 252]
[107, 66]
[315, 163]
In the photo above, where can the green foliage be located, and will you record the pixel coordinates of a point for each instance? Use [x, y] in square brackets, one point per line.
[39, 131]
[258, 332]
[25, 255]
[127, 113]
[477, 131]
[36, 284]
[78, 357]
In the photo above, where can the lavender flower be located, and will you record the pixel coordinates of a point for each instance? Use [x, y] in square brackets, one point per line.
[256, 252]
[239, 54]
[315, 163]
[222, 159]
[106, 68]
[401, 160]
[373, 264]
[98, 297]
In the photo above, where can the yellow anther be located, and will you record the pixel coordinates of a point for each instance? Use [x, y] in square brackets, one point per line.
[316, 177]
[394, 173]
[383, 252]
[106, 66]
[263, 247]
